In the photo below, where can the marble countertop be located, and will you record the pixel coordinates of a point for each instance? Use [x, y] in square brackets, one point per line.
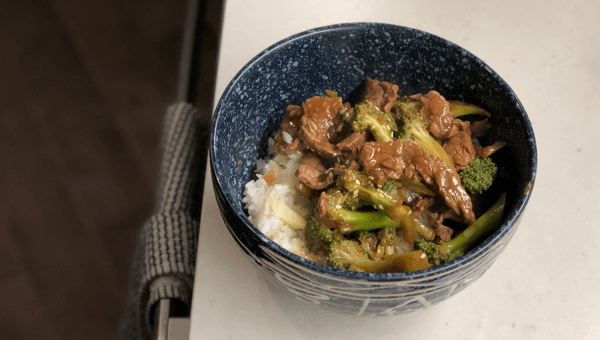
[544, 285]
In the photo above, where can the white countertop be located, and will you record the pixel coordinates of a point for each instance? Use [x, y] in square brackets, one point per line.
[545, 284]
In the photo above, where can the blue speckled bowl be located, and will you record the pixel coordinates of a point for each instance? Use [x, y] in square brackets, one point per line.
[340, 58]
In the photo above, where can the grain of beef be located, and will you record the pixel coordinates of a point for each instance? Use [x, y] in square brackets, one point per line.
[436, 110]
[460, 149]
[489, 150]
[313, 173]
[381, 93]
[319, 124]
[288, 139]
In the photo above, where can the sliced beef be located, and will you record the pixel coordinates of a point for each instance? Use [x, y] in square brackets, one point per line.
[288, 139]
[351, 147]
[381, 93]
[480, 128]
[489, 150]
[459, 125]
[443, 233]
[460, 149]
[339, 167]
[420, 204]
[313, 173]
[353, 143]
[319, 124]
[436, 110]
[392, 159]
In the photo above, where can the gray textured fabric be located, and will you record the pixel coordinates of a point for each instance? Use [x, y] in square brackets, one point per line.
[165, 252]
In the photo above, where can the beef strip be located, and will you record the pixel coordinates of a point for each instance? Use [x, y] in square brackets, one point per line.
[420, 204]
[290, 126]
[319, 124]
[459, 125]
[350, 148]
[392, 159]
[489, 150]
[312, 173]
[460, 149]
[381, 93]
[443, 233]
[436, 110]
[480, 128]
[353, 144]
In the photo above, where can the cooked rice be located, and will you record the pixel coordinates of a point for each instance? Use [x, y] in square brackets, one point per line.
[256, 200]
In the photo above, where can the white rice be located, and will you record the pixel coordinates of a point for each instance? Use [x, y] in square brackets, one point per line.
[258, 192]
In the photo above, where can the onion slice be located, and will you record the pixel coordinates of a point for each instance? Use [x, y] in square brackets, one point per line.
[287, 215]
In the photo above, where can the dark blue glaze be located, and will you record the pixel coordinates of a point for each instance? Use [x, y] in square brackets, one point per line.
[341, 58]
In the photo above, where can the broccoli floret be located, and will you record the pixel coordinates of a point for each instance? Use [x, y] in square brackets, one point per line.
[414, 128]
[368, 117]
[479, 175]
[388, 186]
[484, 225]
[318, 235]
[349, 254]
[368, 241]
[360, 185]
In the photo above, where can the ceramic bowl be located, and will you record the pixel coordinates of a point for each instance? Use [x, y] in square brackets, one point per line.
[341, 58]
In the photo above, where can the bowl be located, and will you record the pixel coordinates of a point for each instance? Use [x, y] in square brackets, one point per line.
[341, 57]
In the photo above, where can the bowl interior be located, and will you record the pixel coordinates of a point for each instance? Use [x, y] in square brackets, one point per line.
[341, 58]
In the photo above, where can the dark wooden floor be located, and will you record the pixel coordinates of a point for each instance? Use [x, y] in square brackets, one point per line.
[83, 85]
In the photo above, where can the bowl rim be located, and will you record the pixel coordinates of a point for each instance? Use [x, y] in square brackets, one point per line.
[511, 217]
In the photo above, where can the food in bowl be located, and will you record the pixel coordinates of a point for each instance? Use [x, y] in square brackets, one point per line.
[390, 184]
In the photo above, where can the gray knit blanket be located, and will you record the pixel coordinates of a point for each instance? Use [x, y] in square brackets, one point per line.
[163, 264]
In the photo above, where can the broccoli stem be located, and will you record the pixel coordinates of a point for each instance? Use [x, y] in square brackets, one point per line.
[350, 221]
[485, 224]
[459, 108]
[359, 184]
[429, 144]
[415, 128]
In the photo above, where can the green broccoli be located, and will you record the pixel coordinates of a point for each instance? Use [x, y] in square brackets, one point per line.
[369, 242]
[388, 240]
[459, 108]
[388, 186]
[318, 236]
[368, 117]
[360, 185]
[479, 175]
[484, 225]
[349, 254]
[341, 219]
[414, 128]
